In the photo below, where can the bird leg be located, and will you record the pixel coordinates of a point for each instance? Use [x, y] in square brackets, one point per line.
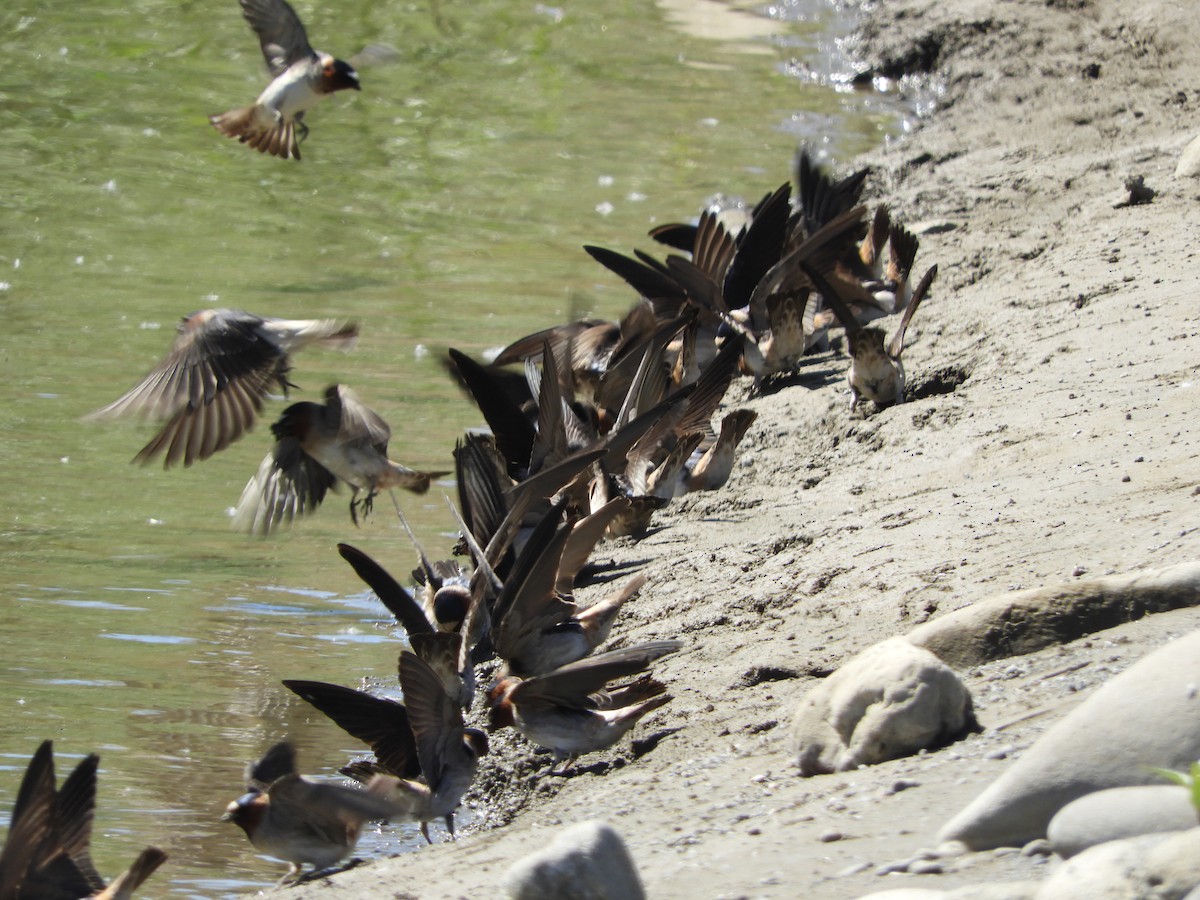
[366, 504]
[450, 825]
[425, 833]
[291, 876]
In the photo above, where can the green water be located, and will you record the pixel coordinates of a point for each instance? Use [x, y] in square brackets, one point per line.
[445, 205]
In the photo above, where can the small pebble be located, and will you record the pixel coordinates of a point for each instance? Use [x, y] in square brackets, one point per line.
[900, 865]
[1038, 847]
[828, 837]
[926, 867]
[856, 869]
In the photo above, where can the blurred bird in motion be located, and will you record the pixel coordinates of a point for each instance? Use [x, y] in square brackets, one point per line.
[210, 386]
[48, 852]
[301, 76]
[315, 446]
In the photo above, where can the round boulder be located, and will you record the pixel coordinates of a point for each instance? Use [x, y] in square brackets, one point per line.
[1149, 715]
[889, 701]
[1119, 813]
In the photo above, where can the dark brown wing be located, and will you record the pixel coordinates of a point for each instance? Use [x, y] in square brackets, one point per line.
[381, 724]
[821, 250]
[514, 432]
[392, 594]
[289, 483]
[896, 346]
[759, 247]
[32, 821]
[280, 32]
[571, 685]
[278, 761]
[436, 719]
[75, 806]
[326, 807]
[210, 387]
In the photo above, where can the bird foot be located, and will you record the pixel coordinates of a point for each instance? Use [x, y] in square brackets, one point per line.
[366, 505]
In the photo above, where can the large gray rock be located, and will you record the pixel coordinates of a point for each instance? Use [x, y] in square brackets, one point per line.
[891, 700]
[1025, 621]
[1119, 813]
[588, 861]
[1148, 715]
[1150, 867]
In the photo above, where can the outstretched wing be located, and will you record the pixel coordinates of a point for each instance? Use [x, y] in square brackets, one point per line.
[280, 32]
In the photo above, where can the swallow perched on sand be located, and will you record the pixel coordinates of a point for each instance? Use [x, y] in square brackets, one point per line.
[571, 711]
[299, 820]
[48, 852]
[714, 466]
[876, 372]
[300, 75]
[210, 387]
[317, 445]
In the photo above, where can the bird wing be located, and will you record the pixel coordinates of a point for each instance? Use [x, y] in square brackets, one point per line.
[381, 724]
[571, 685]
[278, 761]
[289, 483]
[210, 387]
[74, 808]
[280, 32]
[356, 422]
[436, 719]
[32, 821]
[392, 594]
[896, 346]
[326, 807]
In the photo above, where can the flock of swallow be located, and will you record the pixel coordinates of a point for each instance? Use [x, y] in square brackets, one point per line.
[604, 424]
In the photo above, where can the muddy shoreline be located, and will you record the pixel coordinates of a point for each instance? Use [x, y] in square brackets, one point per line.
[1051, 438]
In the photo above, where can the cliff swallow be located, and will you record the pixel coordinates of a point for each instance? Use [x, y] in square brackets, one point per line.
[448, 751]
[571, 711]
[714, 467]
[779, 320]
[876, 371]
[535, 628]
[316, 446]
[210, 387]
[444, 632]
[48, 853]
[301, 76]
[299, 820]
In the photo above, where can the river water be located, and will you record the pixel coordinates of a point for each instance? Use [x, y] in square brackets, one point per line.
[445, 205]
